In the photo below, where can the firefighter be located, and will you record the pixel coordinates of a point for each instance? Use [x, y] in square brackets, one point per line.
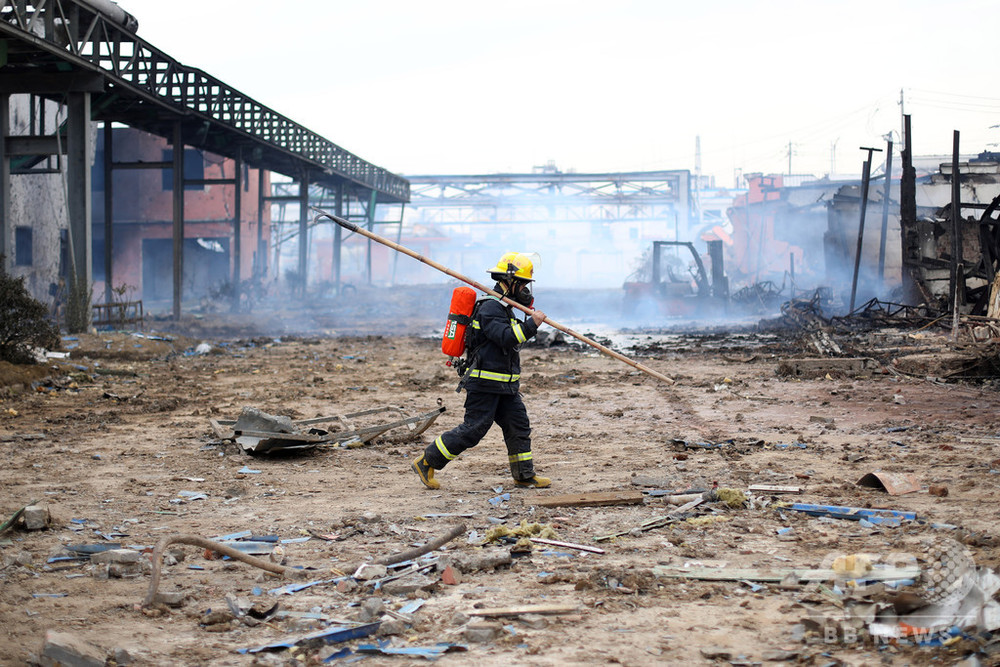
[491, 382]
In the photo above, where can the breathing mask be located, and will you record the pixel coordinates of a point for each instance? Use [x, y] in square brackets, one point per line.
[520, 291]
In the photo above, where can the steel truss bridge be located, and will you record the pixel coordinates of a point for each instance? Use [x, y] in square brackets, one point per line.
[552, 196]
[84, 54]
[460, 205]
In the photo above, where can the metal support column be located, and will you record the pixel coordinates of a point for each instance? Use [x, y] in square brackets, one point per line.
[957, 282]
[886, 196]
[338, 208]
[78, 152]
[260, 264]
[371, 227]
[108, 213]
[237, 229]
[303, 232]
[178, 184]
[865, 180]
[6, 228]
[908, 213]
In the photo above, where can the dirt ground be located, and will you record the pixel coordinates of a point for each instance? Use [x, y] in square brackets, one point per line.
[118, 446]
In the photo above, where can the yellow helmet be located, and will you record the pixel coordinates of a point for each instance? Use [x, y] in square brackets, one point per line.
[513, 264]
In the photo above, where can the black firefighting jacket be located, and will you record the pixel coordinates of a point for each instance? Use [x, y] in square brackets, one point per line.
[494, 347]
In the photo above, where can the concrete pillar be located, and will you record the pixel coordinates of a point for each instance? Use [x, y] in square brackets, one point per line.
[78, 152]
[6, 228]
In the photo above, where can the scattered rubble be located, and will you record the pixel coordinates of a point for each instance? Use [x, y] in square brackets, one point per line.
[744, 515]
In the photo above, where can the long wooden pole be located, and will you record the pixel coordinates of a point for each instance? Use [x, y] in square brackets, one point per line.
[346, 224]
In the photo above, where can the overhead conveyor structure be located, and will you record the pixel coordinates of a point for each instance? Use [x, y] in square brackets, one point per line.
[86, 55]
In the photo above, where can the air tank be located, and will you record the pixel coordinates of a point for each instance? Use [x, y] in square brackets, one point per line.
[113, 13]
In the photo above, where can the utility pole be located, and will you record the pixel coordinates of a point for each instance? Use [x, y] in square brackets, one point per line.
[789, 158]
[957, 282]
[865, 178]
[886, 196]
[902, 115]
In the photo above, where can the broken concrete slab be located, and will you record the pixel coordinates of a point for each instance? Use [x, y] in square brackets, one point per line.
[823, 366]
[62, 649]
[482, 632]
[36, 517]
[486, 559]
[936, 364]
[123, 556]
[411, 583]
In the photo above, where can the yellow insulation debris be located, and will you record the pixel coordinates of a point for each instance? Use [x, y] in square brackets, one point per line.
[734, 498]
[706, 520]
[545, 531]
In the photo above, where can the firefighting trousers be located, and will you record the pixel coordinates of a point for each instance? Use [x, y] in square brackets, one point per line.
[482, 410]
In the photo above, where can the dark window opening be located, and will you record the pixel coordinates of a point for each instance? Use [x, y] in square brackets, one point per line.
[194, 169]
[97, 258]
[22, 246]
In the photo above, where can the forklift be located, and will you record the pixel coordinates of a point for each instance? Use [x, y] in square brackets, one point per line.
[671, 295]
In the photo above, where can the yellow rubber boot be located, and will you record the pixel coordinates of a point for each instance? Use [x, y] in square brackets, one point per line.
[536, 481]
[425, 472]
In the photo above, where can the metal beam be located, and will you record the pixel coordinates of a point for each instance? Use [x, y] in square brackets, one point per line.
[51, 83]
[338, 238]
[48, 144]
[78, 152]
[108, 212]
[6, 226]
[303, 231]
[237, 230]
[178, 221]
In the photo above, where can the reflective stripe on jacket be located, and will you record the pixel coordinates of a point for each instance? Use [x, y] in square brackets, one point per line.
[496, 337]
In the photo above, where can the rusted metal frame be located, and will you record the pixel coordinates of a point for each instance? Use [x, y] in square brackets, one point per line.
[989, 239]
[417, 425]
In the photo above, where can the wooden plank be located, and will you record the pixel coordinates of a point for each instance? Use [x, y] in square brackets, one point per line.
[771, 488]
[549, 609]
[567, 545]
[592, 499]
[779, 574]
[656, 522]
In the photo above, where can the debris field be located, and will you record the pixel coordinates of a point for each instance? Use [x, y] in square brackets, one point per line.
[717, 520]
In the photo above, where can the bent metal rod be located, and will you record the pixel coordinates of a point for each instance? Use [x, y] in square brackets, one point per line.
[347, 224]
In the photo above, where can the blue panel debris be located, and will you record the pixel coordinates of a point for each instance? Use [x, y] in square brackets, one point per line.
[427, 652]
[333, 635]
[233, 536]
[90, 549]
[875, 516]
[502, 498]
[288, 589]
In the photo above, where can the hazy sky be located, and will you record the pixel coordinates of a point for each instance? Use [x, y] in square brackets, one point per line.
[448, 87]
